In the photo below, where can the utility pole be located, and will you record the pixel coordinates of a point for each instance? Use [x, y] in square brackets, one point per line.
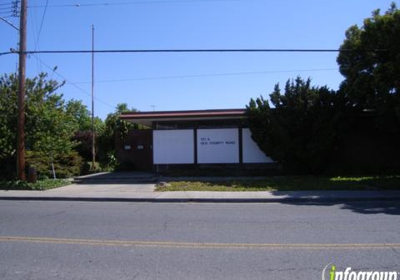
[21, 94]
[93, 129]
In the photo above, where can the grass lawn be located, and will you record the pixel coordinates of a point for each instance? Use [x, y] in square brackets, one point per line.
[286, 183]
[39, 185]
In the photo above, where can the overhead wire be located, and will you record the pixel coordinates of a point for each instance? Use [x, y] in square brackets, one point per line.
[42, 21]
[208, 75]
[72, 83]
[8, 10]
[77, 5]
[6, 53]
[198, 51]
[33, 23]
[46, 6]
[37, 37]
[7, 6]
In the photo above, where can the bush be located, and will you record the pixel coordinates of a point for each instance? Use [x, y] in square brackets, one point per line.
[65, 165]
[301, 128]
[8, 165]
[38, 186]
[85, 140]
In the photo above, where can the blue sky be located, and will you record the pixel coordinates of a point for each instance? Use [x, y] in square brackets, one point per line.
[183, 81]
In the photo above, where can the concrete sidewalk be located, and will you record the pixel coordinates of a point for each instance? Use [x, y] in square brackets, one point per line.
[139, 187]
[146, 193]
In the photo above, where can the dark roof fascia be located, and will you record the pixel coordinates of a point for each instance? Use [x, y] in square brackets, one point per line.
[192, 113]
[147, 118]
[160, 115]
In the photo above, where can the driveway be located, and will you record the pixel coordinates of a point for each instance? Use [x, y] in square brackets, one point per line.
[115, 182]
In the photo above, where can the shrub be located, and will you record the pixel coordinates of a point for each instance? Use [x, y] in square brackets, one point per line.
[65, 165]
[7, 166]
[299, 129]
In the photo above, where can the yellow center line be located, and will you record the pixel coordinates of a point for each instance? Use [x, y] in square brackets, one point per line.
[162, 244]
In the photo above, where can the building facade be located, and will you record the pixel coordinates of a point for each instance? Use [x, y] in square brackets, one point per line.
[196, 139]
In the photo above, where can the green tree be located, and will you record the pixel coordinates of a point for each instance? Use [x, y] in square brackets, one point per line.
[114, 127]
[300, 128]
[49, 128]
[8, 110]
[8, 121]
[369, 59]
[83, 117]
[83, 132]
[80, 114]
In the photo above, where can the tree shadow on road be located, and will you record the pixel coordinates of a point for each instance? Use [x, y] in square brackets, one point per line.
[377, 207]
[384, 206]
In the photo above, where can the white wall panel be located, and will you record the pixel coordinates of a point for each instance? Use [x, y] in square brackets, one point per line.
[251, 151]
[173, 146]
[218, 145]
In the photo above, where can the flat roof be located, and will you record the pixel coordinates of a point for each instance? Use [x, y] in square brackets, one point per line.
[147, 118]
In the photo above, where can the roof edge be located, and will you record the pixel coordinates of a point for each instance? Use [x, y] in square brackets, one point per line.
[184, 113]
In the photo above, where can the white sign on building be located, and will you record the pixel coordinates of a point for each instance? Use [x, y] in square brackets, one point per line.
[218, 145]
[173, 146]
[214, 146]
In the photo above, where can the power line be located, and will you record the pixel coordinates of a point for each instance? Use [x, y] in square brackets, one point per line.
[208, 75]
[10, 24]
[54, 70]
[199, 51]
[5, 53]
[37, 37]
[41, 23]
[10, 9]
[107, 4]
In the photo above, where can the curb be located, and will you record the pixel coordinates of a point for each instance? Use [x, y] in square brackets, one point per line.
[336, 200]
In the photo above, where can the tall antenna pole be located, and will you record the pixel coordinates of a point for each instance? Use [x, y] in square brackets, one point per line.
[93, 130]
[21, 94]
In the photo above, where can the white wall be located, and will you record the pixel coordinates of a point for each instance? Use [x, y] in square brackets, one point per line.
[213, 146]
[218, 145]
[173, 146]
[251, 151]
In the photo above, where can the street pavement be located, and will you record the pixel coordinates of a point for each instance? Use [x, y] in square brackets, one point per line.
[139, 187]
[46, 240]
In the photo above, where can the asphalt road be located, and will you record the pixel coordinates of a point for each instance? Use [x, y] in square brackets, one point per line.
[106, 240]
